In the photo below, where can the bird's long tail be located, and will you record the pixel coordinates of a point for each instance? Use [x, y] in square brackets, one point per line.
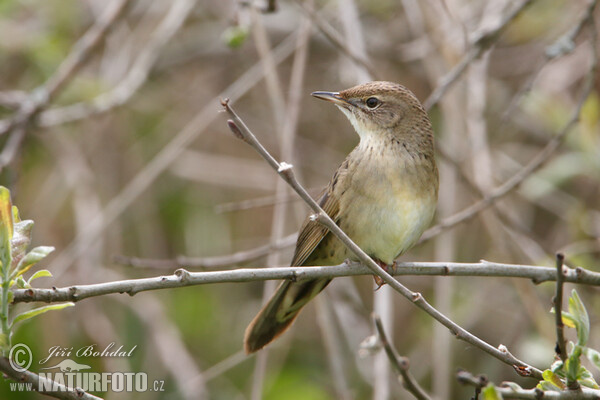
[279, 313]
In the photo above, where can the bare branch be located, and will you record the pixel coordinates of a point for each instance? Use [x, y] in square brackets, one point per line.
[183, 278]
[561, 344]
[210, 262]
[39, 382]
[400, 364]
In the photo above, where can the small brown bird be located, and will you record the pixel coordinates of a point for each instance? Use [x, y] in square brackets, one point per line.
[383, 196]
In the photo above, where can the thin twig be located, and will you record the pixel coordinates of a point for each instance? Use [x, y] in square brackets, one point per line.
[400, 364]
[561, 344]
[335, 38]
[478, 46]
[209, 262]
[40, 383]
[240, 130]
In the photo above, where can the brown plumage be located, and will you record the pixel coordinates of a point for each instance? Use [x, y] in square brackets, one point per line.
[383, 196]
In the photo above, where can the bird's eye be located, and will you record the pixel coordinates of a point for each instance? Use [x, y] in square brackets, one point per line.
[372, 102]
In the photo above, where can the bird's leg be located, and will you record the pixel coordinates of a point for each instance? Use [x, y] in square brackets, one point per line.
[386, 267]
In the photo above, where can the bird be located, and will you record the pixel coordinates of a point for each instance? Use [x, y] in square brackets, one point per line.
[383, 196]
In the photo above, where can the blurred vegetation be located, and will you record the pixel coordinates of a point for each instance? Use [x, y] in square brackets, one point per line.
[67, 173]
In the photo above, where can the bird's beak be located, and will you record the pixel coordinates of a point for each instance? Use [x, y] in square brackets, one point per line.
[333, 97]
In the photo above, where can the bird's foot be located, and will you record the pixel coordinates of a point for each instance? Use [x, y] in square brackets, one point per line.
[386, 267]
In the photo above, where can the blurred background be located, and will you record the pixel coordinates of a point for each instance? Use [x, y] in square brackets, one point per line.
[131, 157]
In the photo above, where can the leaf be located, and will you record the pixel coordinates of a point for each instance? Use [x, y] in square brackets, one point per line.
[39, 274]
[490, 393]
[572, 365]
[593, 356]
[568, 320]
[35, 255]
[551, 377]
[577, 309]
[37, 311]
[556, 367]
[547, 387]
[235, 36]
[21, 284]
[15, 213]
[6, 230]
[6, 215]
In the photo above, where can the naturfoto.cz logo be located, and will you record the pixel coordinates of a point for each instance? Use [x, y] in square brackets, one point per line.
[69, 374]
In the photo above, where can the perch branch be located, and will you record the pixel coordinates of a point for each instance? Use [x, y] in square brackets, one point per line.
[182, 278]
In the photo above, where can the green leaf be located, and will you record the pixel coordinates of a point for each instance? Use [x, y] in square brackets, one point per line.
[15, 213]
[551, 377]
[21, 238]
[6, 215]
[580, 315]
[547, 387]
[37, 311]
[589, 382]
[556, 367]
[568, 320]
[593, 356]
[39, 274]
[572, 365]
[6, 230]
[21, 284]
[235, 36]
[490, 393]
[32, 258]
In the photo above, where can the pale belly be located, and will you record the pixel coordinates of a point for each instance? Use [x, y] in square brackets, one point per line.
[388, 216]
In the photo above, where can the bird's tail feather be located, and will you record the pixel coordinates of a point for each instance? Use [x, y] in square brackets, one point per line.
[279, 313]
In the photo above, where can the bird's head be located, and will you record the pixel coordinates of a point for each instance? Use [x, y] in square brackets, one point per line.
[380, 108]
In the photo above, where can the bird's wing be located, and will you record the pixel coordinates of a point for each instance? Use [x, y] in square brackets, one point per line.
[313, 232]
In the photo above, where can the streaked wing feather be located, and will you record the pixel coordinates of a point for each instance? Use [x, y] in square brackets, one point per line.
[312, 232]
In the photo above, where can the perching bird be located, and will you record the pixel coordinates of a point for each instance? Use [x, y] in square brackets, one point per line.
[383, 196]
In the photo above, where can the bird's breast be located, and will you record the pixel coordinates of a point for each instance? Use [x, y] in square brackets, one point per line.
[390, 198]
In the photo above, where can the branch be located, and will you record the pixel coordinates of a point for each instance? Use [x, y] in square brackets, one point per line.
[240, 130]
[561, 344]
[182, 278]
[209, 262]
[401, 364]
[335, 38]
[38, 382]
